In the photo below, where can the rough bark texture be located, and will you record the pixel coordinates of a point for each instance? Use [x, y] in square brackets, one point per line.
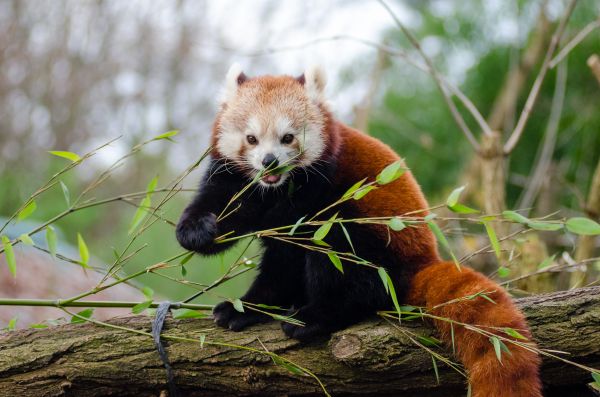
[371, 358]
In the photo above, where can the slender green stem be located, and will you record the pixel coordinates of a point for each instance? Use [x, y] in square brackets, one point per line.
[65, 303]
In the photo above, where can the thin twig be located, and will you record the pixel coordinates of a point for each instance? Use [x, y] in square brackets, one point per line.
[535, 89]
[583, 33]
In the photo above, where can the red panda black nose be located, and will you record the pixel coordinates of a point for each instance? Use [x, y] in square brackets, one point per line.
[270, 161]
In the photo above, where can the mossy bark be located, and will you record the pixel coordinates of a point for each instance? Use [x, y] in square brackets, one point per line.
[371, 358]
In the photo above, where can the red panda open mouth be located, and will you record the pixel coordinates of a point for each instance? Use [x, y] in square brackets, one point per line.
[270, 179]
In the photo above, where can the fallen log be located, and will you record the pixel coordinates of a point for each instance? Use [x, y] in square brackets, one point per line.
[371, 358]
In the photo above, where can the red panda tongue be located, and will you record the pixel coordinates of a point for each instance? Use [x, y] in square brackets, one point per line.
[272, 178]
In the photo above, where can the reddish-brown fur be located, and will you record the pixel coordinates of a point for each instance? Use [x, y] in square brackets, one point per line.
[434, 281]
[438, 282]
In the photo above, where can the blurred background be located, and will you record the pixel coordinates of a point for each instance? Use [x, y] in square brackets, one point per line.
[76, 74]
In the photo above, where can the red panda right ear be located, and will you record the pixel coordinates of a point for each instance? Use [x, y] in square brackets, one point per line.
[235, 78]
[301, 79]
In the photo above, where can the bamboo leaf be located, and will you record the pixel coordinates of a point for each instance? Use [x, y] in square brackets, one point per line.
[202, 339]
[84, 253]
[187, 258]
[151, 185]
[596, 377]
[27, 210]
[442, 239]
[348, 237]
[390, 173]
[503, 271]
[546, 262]
[12, 324]
[335, 259]
[66, 193]
[396, 224]
[384, 278]
[363, 191]
[322, 231]
[167, 135]
[9, 254]
[452, 199]
[583, 226]
[140, 214]
[463, 209]
[67, 155]
[238, 305]
[353, 188]
[86, 313]
[545, 226]
[148, 293]
[140, 307]
[515, 217]
[188, 313]
[296, 225]
[514, 333]
[435, 370]
[51, 240]
[496, 342]
[26, 239]
[493, 238]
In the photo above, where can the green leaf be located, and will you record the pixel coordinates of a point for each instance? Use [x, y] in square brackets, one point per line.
[596, 377]
[347, 237]
[188, 313]
[493, 238]
[390, 173]
[428, 340]
[9, 254]
[12, 324]
[583, 226]
[67, 155]
[166, 135]
[187, 258]
[202, 339]
[148, 293]
[452, 199]
[335, 259]
[496, 342]
[296, 225]
[442, 239]
[322, 231]
[321, 243]
[51, 240]
[353, 189]
[86, 313]
[435, 369]
[152, 185]
[363, 191]
[384, 278]
[26, 239]
[38, 325]
[514, 333]
[515, 217]
[396, 224]
[292, 368]
[66, 193]
[27, 210]
[183, 271]
[546, 262]
[140, 214]
[140, 307]
[463, 209]
[503, 271]
[84, 253]
[545, 226]
[238, 305]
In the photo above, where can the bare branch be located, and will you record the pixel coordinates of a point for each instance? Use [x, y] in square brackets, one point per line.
[535, 90]
[583, 33]
[438, 80]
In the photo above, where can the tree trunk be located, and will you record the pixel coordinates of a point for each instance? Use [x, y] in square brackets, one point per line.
[371, 358]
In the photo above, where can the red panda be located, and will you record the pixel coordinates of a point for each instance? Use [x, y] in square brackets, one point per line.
[267, 121]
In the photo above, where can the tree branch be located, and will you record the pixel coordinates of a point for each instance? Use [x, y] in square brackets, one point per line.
[371, 358]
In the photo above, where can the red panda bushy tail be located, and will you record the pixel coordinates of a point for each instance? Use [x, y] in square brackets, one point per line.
[518, 373]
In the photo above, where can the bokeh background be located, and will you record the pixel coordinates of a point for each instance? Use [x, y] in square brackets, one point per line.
[76, 74]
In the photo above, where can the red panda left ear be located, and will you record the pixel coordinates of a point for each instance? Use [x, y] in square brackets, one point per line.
[301, 79]
[314, 83]
[235, 78]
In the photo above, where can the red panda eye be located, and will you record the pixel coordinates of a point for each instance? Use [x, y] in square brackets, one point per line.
[251, 139]
[287, 138]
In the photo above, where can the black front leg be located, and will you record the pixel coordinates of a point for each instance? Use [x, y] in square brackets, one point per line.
[279, 283]
[336, 300]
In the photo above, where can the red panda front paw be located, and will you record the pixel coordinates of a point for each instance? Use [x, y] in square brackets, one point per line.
[305, 333]
[226, 316]
[197, 234]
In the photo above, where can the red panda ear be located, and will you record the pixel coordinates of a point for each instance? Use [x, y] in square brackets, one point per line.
[235, 78]
[314, 83]
[301, 79]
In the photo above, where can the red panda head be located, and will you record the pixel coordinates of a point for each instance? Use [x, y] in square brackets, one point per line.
[272, 121]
